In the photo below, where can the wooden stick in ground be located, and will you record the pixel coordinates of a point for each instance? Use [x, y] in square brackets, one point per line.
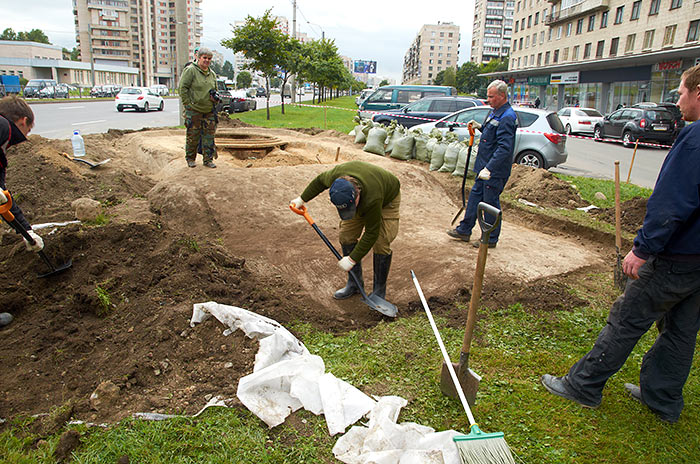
[634, 153]
[337, 154]
[619, 278]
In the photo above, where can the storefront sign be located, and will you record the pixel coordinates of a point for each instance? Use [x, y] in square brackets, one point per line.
[564, 78]
[538, 80]
[668, 65]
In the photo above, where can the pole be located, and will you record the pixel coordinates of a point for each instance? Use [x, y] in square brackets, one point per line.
[92, 56]
[293, 80]
[629, 173]
[181, 46]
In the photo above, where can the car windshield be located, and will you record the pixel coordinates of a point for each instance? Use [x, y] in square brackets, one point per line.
[592, 113]
[657, 115]
[131, 91]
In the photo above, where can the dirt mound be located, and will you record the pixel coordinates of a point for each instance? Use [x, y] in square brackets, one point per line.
[225, 122]
[632, 214]
[543, 188]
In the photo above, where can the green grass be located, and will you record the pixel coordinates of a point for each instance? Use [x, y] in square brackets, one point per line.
[305, 116]
[588, 187]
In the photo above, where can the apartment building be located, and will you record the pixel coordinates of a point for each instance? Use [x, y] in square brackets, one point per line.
[435, 48]
[601, 53]
[493, 28]
[136, 33]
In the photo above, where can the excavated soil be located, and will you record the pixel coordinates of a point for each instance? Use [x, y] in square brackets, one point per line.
[119, 317]
[632, 214]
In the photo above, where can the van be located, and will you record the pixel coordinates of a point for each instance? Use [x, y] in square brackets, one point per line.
[392, 97]
[363, 96]
[34, 86]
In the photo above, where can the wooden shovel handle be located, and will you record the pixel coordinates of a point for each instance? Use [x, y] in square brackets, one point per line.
[618, 226]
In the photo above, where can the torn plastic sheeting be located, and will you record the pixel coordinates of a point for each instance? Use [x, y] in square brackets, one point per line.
[154, 416]
[343, 404]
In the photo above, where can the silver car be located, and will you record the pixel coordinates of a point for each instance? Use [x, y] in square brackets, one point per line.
[540, 141]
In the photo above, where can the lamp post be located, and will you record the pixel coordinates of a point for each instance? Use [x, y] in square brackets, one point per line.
[92, 56]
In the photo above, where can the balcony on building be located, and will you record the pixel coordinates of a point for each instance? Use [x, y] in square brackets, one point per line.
[122, 5]
[580, 9]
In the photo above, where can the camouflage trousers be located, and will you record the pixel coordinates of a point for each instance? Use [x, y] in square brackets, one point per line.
[201, 128]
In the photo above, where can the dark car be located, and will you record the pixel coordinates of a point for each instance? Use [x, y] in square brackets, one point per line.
[425, 110]
[233, 101]
[56, 91]
[668, 106]
[260, 92]
[642, 124]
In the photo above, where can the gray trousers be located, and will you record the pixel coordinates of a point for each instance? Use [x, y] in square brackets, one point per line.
[668, 292]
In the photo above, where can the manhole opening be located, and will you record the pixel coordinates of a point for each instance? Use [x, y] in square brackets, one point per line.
[245, 146]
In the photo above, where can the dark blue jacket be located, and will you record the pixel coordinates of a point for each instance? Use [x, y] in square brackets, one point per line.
[672, 223]
[10, 135]
[497, 142]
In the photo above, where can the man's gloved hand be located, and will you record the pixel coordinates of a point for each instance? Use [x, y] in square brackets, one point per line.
[484, 174]
[38, 246]
[297, 203]
[3, 198]
[474, 124]
[346, 263]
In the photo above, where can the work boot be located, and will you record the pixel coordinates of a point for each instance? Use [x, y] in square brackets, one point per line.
[5, 319]
[560, 386]
[191, 163]
[350, 288]
[382, 263]
[636, 393]
[209, 164]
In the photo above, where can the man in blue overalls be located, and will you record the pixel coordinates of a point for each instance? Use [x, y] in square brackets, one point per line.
[493, 161]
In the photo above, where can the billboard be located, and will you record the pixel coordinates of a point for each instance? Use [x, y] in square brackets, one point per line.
[365, 67]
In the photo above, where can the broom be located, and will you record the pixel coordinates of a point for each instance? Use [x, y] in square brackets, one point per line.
[477, 447]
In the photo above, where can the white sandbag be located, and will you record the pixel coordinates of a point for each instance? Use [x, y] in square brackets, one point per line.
[360, 136]
[451, 156]
[375, 141]
[461, 161]
[403, 148]
[437, 156]
[393, 133]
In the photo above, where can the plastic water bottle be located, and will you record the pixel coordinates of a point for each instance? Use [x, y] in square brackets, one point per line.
[78, 144]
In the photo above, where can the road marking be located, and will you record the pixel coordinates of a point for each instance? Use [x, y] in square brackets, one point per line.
[70, 107]
[88, 122]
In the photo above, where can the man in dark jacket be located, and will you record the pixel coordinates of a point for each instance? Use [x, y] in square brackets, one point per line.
[493, 161]
[664, 267]
[16, 120]
[367, 197]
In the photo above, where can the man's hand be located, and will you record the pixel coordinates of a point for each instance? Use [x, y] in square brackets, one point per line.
[297, 203]
[631, 265]
[3, 198]
[484, 174]
[474, 124]
[38, 245]
[346, 263]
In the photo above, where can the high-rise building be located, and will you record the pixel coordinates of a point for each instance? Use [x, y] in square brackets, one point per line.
[493, 28]
[136, 33]
[435, 48]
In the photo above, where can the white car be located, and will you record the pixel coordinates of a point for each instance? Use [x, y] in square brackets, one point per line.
[579, 119]
[138, 98]
[160, 89]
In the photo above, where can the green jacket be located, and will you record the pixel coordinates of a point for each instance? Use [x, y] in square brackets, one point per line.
[195, 85]
[379, 188]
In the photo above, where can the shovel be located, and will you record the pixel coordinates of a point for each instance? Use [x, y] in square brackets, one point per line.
[374, 302]
[14, 223]
[466, 170]
[620, 278]
[468, 379]
[92, 164]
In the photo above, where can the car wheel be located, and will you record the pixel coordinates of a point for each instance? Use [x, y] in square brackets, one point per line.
[598, 134]
[145, 107]
[255, 106]
[120, 108]
[160, 107]
[530, 158]
[568, 129]
[627, 139]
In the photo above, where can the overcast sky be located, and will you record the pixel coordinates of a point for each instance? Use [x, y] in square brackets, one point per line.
[363, 30]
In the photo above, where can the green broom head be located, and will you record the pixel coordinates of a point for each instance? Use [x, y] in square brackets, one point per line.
[483, 448]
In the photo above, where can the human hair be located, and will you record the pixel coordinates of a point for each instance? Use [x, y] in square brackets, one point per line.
[355, 183]
[691, 77]
[204, 51]
[14, 108]
[500, 86]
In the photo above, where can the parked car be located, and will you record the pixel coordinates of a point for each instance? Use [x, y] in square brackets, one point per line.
[362, 96]
[579, 119]
[434, 108]
[393, 97]
[56, 91]
[160, 89]
[539, 138]
[631, 124]
[138, 98]
[240, 101]
[260, 92]
[34, 86]
[678, 120]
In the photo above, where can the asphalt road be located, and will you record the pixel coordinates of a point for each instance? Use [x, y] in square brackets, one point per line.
[586, 157]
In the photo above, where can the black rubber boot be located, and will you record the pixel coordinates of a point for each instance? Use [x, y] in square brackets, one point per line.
[350, 288]
[382, 263]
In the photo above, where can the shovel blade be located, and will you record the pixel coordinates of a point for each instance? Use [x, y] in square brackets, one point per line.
[459, 213]
[381, 305]
[468, 382]
[57, 270]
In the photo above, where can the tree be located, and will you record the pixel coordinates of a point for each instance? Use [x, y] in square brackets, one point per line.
[227, 69]
[243, 80]
[35, 35]
[439, 77]
[468, 80]
[276, 82]
[8, 34]
[291, 61]
[71, 54]
[383, 83]
[260, 41]
[216, 67]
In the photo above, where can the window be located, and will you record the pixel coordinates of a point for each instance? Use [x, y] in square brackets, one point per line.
[559, 29]
[636, 6]
[613, 46]
[568, 29]
[539, 59]
[555, 57]
[516, 26]
[629, 45]
[676, 4]
[565, 54]
[587, 51]
[537, 18]
[599, 49]
[574, 53]
[648, 40]
[579, 26]
[618, 14]
[527, 41]
[529, 21]
[693, 31]
[546, 58]
[604, 20]
[591, 22]
[669, 35]
[654, 7]
[541, 37]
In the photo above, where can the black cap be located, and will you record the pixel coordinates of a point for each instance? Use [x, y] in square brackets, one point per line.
[343, 196]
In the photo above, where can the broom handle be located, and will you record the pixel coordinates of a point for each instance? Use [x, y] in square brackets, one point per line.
[445, 356]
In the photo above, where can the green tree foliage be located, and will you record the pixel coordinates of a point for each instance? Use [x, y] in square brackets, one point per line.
[243, 80]
[216, 67]
[291, 60]
[324, 67]
[35, 35]
[227, 69]
[439, 78]
[467, 78]
[383, 83]
[276, 82]
[449, 77]
[8, 34]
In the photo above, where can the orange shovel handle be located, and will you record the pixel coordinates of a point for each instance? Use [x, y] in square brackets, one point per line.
[471, 134]
[5, 207]
[302, 212]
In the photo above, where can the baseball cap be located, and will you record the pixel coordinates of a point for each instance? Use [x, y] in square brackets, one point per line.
[343, 194]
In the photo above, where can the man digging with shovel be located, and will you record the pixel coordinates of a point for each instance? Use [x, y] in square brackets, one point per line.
[367, 197]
